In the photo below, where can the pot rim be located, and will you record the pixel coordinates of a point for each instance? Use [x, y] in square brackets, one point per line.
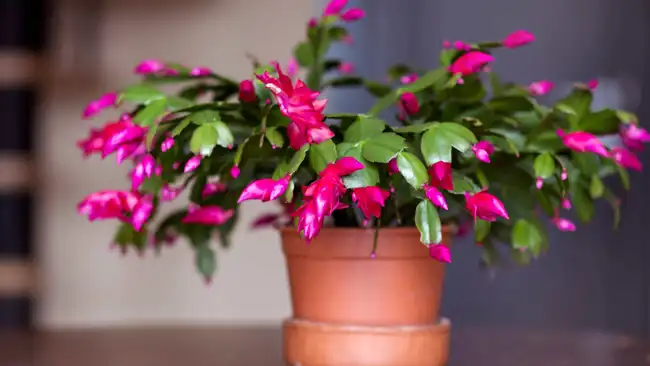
[446, 229]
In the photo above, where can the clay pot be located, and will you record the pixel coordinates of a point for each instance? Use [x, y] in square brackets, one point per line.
[351, 309]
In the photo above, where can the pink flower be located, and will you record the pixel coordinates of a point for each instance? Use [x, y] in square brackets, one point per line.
[408, 105]
[539, 182]
[264, 189]
[123, 137]
[141, 212]
[592, 84]
[145, 168]
[234, 171]
[126, 206]
[312, 22]
[564, 175]
[441, 177]
[346, 67]
[321, 197]
[408, 79]
[485, 206]
[208, 215]
[440, 252]
[247, 92]
[392, 166]
[542, 87]
[167, 144]
[482, 150]
[518, 38]
[149, 67]
[462, 46]
[192, 164]
[626, 159]
[200, 71]
[300, 105]
[211, 188]
[292, 67]
[105, 101]
[353, 14]
[566, 203]
[168, 193]
[334, 7]
[370, 200]
[581, 141]
[634, 136]
[469, 63]
[564, 224]
[435, 196]
[446, 44]
[282, 218]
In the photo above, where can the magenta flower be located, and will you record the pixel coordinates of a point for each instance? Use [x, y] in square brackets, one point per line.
[566, 203]
[470, 63]
[482, 150]
[409, 78]
[169, 193]
[264, 189]
[292, 67]
[634, 136]
[192, 164]
[462, 46]
[370, 200]
[564, 224]
[581, 141]
[408, 105]
[485, 206]
[145, 168]
[247, 92]
[200, 71]
[346, 67]
[149, 67]
[300, 105]
[281, 219]
[626, 159]
[105, 101]
[167, 144]
[312, 22]
[441, 177]
[123, 137]
[592, 84]
[141, 212]
[564, 175]
[208, 215]
[234, 171]
[211, 188]
[440, 252]
[446, 44]
[126, 206]
[353, 14]
[334, 7]
[518, 38]
[539, 182]
[542, 87]
[435, 196]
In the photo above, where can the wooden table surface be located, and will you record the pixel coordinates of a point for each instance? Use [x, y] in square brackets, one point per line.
[262, 347]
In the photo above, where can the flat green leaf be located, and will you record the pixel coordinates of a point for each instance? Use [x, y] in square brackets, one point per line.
[181, 126]
[297, 159]
[205, 116]
[526, 236]
[368, 176]
[547, 141]
[274, 137]
[175, 103]
[463, 184]
[544, 166]
[601, 122]
[581, 201]
[364, 128]
[447, 56]
[587, 163]
[141, 94]
[432, 78]
[383, 147]
[398, 70]
[149, 114]
[579, 101]
[412, 169]
[596, 188]
[205, 260]
[627, 117]
[152, 185]
[415, 128]
[511, 104]
[151, 135]
[304, 54]
[428, 223]
[225, 137]
[337, 33]
[384, 102]
[204, 139]
[438, 141]
[481, 230]
[322, 154]
[377, 89]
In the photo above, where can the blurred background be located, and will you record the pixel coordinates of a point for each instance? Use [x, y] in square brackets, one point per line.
[57, 271]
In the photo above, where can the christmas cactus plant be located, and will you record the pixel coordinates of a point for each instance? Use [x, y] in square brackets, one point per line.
[463, 149]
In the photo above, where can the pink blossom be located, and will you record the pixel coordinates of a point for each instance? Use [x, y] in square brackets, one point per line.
[370, 200]
[485, 206]
[247, 92]
[312, 22]
[408, 105]
[518, 38]
[145, 168]
[542, 87]
[126, 206]
[462, 46]
[626, 159]
[392, 166]
[200, 71]
[234, 171]
[208, 215]
[346, 68]
[566, 203]
[168, 193]
[300, 105]
[441, 175]
[446, 44]
[581, 141]
[292, 67]
[123, 137]
[353, 14]
[564, 224]
[592, 84]
[170, 72]
[141, 212]
[334, 7]
[96, 106]
[264, 189]
[440, 252]
[192, 164]
[470, 63]
[211, 188]
[482, 150]
[435, 196]
[409, 78]
[634, 136]
[282, 218]
[564, 175]
[167, 144]
[539, 182]
[149, 67]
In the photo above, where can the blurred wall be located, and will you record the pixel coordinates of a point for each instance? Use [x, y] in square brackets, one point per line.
[85, 284]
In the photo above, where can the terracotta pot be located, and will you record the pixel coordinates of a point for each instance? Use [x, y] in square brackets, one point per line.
[351, 309]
